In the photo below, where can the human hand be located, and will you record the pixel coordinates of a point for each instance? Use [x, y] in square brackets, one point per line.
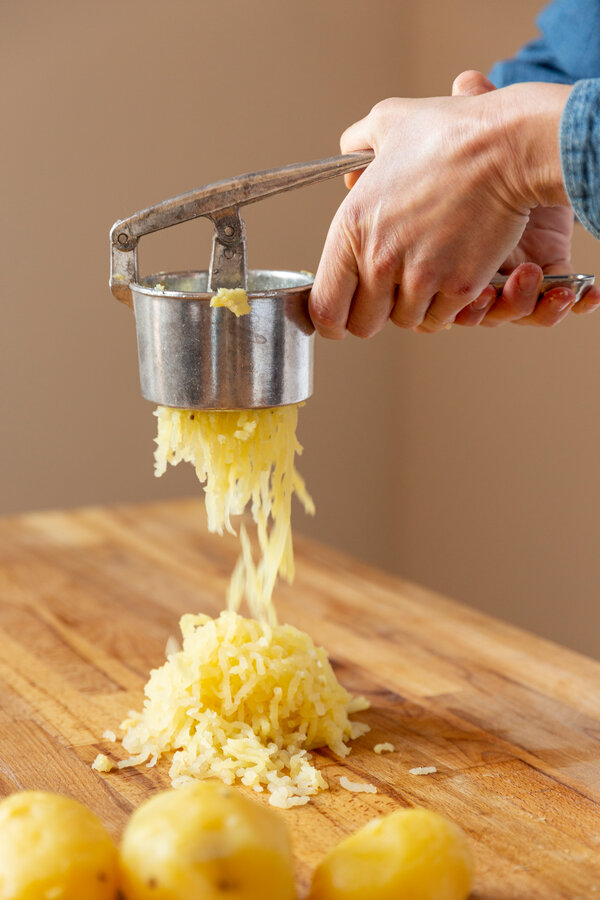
[544, 249]
[439, 210]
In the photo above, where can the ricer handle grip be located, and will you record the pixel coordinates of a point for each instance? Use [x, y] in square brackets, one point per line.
[578, 283]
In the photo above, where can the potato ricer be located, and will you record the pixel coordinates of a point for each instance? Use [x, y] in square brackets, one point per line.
[195, 356]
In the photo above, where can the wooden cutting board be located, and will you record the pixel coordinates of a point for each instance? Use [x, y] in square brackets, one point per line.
[511, 722]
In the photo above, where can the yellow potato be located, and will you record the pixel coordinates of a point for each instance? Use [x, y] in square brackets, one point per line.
[208, 841]
[53, 848]
[413, 854]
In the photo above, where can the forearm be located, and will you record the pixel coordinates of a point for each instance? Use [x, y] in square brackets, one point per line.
[531, 116]
[513, 135]
[551, 152]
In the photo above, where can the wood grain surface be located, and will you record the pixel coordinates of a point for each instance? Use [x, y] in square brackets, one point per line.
[511, 722]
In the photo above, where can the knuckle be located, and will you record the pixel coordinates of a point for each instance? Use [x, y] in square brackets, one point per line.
[461, 289]
[361, 329]
[405, 317]
[404, 322]
[419, 285]
[322, 313]
[421, 281]
[434, 321]
[384, 108]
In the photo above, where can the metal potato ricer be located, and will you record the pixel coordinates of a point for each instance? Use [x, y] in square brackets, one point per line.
[195, 356]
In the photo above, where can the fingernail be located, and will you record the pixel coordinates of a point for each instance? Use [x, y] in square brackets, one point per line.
[561, 298]
[529, 281]
[485, 298]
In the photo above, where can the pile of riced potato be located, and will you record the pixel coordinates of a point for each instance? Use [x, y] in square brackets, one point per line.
[243, 701]
[207, 841]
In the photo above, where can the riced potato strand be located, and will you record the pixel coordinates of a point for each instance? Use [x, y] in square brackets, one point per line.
[245, 459]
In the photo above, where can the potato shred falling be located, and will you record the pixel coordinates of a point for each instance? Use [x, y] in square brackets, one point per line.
[246, 458]
[244, 701]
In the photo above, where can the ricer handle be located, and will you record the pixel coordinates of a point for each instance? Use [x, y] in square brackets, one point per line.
[220, 202]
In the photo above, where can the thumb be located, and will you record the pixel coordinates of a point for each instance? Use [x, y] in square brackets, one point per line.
[471, 83]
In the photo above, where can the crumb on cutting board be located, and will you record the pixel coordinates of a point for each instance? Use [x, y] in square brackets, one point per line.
[384, 748]
[172, 646]
[102, 763]
[357, 787]
[423, 770]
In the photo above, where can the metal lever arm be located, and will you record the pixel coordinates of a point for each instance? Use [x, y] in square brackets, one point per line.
[238, 191]
[220, 202]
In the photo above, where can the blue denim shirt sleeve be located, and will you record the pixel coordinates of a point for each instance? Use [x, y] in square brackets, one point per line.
[580, 152]
[568, 52]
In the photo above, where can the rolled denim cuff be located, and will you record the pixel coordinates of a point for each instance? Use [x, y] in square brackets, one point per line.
[579, 137]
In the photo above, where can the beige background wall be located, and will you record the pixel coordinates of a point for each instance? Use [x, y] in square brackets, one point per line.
[466, 461]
